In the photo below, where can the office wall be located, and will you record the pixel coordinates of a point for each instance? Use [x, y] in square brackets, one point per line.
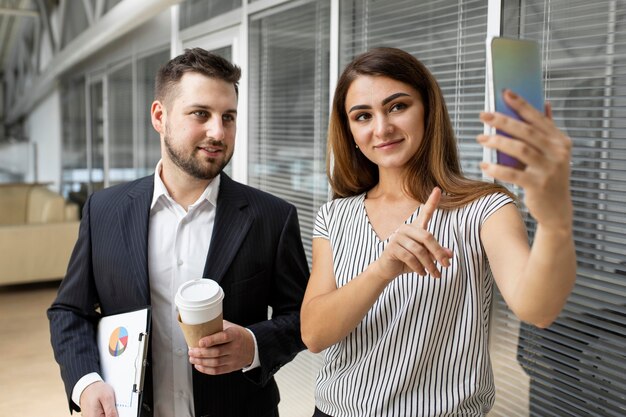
[43, 129]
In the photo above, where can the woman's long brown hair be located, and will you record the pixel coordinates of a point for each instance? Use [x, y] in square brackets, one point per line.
[436, 162]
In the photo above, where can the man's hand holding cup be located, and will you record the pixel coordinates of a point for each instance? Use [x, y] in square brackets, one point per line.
[227, 351]
[215, 346]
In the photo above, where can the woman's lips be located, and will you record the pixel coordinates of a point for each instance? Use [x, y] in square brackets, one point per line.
[389, 144]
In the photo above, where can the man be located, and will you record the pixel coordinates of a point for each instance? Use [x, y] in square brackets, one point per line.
[140, 240]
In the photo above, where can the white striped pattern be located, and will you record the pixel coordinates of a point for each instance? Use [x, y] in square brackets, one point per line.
[421, 350]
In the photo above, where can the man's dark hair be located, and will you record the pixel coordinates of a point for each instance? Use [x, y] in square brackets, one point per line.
[193, 60]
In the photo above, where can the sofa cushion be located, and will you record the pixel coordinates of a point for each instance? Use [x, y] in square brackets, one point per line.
[13, 202]
[35, 252]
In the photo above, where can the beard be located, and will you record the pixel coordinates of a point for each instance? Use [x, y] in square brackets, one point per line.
[196, 167]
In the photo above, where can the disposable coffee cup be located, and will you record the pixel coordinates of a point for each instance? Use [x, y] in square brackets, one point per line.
[199, 304]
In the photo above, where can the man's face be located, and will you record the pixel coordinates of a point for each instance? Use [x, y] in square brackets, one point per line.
[198, 126]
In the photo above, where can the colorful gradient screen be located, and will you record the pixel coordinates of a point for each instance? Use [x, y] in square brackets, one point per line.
[516, 65]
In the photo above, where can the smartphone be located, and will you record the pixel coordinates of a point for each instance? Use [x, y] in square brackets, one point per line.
[513, 64]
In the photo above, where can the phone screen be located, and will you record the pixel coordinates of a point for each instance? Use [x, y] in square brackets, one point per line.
[514, 64]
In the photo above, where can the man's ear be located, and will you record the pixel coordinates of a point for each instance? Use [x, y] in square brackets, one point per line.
[158, 115]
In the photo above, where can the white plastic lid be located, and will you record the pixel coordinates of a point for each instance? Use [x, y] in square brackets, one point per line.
[199, 293]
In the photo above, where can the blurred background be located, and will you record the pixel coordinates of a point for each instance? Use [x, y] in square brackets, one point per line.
[76, 83]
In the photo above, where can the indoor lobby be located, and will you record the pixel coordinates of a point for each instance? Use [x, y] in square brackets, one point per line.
[77, 84]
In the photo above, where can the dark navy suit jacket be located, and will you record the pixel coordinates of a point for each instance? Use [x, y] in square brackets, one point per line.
[256, 255]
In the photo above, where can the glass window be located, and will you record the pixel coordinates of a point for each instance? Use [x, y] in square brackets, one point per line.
[289, 101]
[148, 140]
[289, 107]
[74, 173]
[195, 11]
[120, 123]
[576, 367]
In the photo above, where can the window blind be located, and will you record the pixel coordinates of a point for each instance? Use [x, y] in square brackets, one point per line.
[288, 106]
[448, 36]
[289, 63]
[577, 367]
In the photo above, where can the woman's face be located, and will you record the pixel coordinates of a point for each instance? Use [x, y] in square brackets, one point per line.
[386, 118]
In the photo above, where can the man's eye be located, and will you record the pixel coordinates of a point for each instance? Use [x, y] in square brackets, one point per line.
[229, 118]
[201, 113]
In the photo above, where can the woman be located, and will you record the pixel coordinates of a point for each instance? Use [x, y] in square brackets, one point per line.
[405, 255]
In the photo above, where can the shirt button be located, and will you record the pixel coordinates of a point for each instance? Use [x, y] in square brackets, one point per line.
[181, 394]
[179, 262]
[180, 352]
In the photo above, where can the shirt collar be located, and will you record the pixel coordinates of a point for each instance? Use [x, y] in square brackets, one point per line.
[210, 192]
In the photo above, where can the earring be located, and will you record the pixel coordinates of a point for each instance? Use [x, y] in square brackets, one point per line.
[356, 146]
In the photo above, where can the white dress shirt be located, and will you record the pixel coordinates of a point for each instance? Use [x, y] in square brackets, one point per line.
[178, 244]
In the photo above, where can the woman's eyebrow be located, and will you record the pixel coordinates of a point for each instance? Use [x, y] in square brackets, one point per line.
[359, 107]
[393, 97]
[385, 101]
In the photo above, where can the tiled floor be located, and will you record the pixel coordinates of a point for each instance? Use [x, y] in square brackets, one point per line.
[30, 384]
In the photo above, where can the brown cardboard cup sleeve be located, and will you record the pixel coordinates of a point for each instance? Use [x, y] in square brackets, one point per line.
[194, 332]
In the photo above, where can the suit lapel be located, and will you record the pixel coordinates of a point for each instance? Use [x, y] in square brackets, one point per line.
[232, 222]
[134, 217]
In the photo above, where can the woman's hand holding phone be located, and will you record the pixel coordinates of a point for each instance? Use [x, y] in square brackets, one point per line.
[546, 152]
[513, 64]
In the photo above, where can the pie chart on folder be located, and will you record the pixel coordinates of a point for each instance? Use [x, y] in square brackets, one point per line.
[118, 341]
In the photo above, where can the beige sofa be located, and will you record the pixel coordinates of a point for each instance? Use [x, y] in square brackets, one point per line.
[38, 230]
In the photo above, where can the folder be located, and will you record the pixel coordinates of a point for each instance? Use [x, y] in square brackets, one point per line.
[123, 347]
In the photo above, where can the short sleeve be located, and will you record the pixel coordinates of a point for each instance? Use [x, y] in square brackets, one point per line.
[320, 229]
[492, 203]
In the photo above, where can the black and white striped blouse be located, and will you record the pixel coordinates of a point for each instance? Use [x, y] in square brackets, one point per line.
[421, 350]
